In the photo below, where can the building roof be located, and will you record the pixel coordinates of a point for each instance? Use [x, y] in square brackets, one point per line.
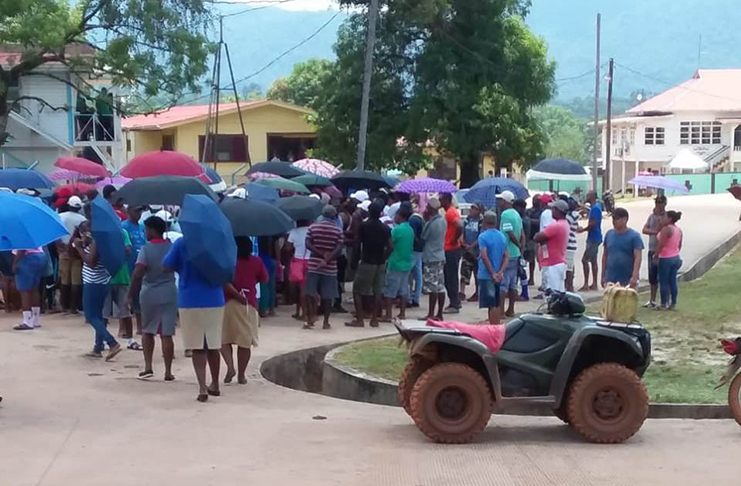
[11, 54]
[708, 90]
[180, 115]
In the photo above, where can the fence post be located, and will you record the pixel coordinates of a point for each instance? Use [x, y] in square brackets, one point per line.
[712, 183]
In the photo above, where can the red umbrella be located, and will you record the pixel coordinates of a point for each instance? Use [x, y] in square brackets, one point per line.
[162, 163]
[82, 166]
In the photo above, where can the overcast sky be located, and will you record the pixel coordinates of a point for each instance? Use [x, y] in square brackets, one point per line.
[299, 4]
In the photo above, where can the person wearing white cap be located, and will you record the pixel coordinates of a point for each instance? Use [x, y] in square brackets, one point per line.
[360, 196]
[552, 253]
[70, 265]
[511, 227]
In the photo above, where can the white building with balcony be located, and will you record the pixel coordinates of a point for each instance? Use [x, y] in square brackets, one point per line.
[51, 118]
[702, 114]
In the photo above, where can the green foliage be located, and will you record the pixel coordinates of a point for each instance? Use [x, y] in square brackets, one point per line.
[566, 135]
[304, 85]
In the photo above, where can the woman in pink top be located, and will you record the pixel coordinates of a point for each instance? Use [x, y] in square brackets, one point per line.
[667, 254]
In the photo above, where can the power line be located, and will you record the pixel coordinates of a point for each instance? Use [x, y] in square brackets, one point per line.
[252, 9]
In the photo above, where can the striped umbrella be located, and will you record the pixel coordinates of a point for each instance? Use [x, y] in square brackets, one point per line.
[318, 167]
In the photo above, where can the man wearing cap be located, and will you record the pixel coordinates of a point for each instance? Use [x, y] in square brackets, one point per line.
[552, 253]
[594, 240]
[453, 252]
[546, 216]
[324, 241]
[494, 259]
[70, 265]
[652, 228]
[433, 258]
[511, 227]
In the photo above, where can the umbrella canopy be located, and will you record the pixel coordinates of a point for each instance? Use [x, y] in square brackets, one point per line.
[283, 169]
[256, 176]
[559, 170]
[391, 180]
[105, 225]
[485, 191]
[426, 184]
[209, 239]
[215, 182]
[332, 191]
[736, 191]
[27, 223]
[659, 182]
[359, 179]
[164, 162]
[312, 180]
[687, 159]
[317, 167]
[301, 208]
[259, 192]
[250, 217]
[75, 188]
[24, 178]
[82, 166]
[117, 182]
[165, 190]
[58, 174]
[284, 185]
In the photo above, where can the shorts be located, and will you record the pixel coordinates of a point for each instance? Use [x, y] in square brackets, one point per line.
[570, 257]
[322, 286]
[396, 284]
[29, 271]
[70, 270]
[554, 277]
[489, 292]
[511, 280]
[297, 271]
[590, 254]
[369, 279]
[653, 269]
[116, 305]
[160, 318]
[531, 251]
[469, 267]
[433, 280]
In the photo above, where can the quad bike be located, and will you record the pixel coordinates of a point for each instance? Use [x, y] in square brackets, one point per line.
[732, 374]
[585, 369]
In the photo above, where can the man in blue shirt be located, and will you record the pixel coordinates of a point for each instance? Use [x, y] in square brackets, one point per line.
[138, 237]
[493, 259]
[594, 240]
[621, 257]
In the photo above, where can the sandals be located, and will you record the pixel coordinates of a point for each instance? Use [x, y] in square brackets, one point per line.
[145, 375]
[202, 397]
[135, 346]
[354, 323]
[23, 327]
[307, 326]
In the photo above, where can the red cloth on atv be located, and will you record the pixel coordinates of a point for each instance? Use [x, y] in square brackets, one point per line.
[491, 336]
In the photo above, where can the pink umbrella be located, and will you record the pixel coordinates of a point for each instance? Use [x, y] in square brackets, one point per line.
[317, 167]
[83, 166]
[68, 175]
[115, 181]
[164, 162]
[255, 176]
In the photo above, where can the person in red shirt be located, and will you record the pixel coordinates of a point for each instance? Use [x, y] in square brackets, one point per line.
[453, 253]
[241, 317]
[552, 252]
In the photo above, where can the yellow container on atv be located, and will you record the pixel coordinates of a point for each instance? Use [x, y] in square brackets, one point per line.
[619, 304]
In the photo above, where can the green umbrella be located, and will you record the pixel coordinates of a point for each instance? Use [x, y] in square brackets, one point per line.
[312, 180]
[284, 185]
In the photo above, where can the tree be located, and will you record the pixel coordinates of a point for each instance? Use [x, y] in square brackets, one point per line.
[153, 48]
[304, 85]
[566, 135]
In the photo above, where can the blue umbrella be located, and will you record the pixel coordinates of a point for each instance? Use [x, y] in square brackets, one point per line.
[213, 176]
[27, 223]
[259, 192]
[105, 225]
[209, 239]
[485, 192]
[24, 178]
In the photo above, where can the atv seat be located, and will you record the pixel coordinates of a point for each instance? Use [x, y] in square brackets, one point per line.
[512, 327]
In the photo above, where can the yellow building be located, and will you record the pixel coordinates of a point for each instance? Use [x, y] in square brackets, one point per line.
[272, 128]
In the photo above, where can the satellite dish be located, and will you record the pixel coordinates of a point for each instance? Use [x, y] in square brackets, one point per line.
[639, 97]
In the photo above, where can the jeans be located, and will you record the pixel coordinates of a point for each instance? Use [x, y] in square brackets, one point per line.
[668, 269]
[93, 298]
[452, 264]
[415, 277]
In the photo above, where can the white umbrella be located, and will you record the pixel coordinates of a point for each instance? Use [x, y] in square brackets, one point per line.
[686, 159]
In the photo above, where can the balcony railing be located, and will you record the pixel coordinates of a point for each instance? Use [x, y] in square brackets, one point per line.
[92, 127]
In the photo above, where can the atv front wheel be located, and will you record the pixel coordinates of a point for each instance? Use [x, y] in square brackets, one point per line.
[451, 403]
[734, 398]
[413, 370]
[607, 403]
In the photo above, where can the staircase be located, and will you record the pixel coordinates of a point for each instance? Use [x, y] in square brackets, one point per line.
[719, 160]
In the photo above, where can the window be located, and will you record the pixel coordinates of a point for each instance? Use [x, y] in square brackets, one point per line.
[633, 136]
[168, 142]
[226, 148]
[614, 136]
[654, 136]
[128, 145]
[699, 133]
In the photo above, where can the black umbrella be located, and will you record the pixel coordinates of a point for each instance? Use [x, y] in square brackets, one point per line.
[359, 179]
[301, 208]
[165, 190]
[250, 217]
[559, 169]
[283, 169]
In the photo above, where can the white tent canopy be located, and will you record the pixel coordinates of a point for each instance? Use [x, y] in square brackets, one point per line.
[687, 159]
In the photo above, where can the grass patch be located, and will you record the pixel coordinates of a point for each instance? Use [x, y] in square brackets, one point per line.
[687, 359]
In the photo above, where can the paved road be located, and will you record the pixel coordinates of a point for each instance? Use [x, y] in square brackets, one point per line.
[69, 420]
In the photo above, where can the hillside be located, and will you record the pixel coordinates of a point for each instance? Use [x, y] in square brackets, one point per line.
[658, 38]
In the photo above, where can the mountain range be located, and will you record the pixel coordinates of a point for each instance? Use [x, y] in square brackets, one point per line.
[655, 43]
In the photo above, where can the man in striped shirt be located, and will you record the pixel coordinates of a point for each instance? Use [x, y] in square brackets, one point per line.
[324, 241]
[573, 219]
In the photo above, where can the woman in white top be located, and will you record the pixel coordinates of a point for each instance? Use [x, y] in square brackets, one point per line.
[299, 264]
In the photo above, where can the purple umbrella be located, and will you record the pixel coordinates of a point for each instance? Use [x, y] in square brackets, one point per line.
[426, 185]
[659, 182]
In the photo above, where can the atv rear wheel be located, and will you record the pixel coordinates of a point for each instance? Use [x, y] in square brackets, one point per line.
[607, 403]
[734, 398]
[451, 403]
[413, 370]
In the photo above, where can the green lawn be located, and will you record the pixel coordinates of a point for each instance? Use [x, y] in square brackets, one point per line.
[687, 359]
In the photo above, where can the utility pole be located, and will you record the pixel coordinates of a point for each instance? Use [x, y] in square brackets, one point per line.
[363, 135]
[606, 182]
[595, 150]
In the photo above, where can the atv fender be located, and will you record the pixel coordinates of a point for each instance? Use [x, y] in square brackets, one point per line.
[564, 370]
[488, 360]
